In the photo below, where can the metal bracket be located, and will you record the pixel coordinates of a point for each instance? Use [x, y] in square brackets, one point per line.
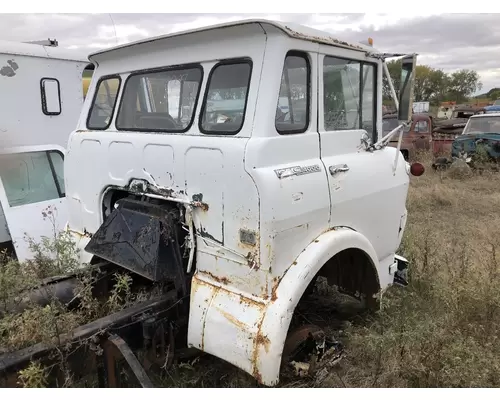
[125, 351]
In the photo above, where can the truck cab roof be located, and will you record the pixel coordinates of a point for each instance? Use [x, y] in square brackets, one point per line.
[292, 30]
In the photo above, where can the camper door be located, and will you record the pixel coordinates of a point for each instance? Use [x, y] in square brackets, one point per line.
[32, 194]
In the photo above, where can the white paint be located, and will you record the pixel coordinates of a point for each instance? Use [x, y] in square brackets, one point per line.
[33, 69]
[32, 219]
[420, 106]
[50, 92]
[278, 186]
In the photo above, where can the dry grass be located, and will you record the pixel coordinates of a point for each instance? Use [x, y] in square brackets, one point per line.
[443, 330]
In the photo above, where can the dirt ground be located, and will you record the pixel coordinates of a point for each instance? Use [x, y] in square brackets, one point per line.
[442, 330]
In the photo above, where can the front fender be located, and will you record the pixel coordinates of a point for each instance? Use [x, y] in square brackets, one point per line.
[250, 333]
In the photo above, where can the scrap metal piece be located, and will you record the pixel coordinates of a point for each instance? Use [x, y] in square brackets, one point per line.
[11, 363]
[141, 237]
[131, 359]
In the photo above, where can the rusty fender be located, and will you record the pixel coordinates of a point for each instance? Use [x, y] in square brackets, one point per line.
[250, 333]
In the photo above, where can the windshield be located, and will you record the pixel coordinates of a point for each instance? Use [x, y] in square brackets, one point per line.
[483, 125]
[462, 114]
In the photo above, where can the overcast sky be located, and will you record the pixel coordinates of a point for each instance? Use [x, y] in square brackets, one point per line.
[446, 41]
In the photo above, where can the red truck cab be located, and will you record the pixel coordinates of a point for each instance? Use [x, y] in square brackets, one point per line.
[421, 135]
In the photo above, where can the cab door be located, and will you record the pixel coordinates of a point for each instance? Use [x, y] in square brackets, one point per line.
[366, 194]
[32, 195]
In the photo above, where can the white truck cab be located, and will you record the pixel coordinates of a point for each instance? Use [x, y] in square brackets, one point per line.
[240, 161]
[41, 96]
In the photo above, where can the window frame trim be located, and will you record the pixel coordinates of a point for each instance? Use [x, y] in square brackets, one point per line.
[305, 55]
[43, 97]
[229, 61]
[53, 170]
[179, 67]
[94, 97]
[375, 91]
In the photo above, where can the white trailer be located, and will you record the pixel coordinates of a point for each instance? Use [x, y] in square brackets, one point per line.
[420, 107]
[41, 96]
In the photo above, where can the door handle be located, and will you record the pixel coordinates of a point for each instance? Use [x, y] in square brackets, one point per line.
[335, 169]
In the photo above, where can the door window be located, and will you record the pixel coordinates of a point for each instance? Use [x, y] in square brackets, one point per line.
[32, 177]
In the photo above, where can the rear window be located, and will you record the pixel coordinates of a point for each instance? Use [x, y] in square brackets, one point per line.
[160, 101]
[226, 98]
[292, 111]
[103, 106]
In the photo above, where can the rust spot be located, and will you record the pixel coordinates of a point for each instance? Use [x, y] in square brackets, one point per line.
[201, 205]
[252, 260]
[316, 241]
[235, 321]
[323, 39]
[248, 301]
[222, 280]
[255, 356]
[262, 340]
[87, 233]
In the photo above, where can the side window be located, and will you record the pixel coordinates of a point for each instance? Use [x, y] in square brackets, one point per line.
[349, 95]
[32, 177]
[160, 101]
[292, 111]
[225, 102]
[103, 105]
[51, 96]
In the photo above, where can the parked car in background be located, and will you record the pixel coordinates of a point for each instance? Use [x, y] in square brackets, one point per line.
[481, 131]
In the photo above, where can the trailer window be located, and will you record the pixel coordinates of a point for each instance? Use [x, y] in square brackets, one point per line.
[103, 105]
[32, 177]
[292, 112]
[51, 96]
[160, 101]
[349, 95]
[224, 107]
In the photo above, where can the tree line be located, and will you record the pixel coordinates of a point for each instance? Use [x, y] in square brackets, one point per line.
[434, 85]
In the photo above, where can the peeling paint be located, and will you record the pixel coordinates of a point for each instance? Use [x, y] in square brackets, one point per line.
[222, 280]
[323, 39]
[9, 70]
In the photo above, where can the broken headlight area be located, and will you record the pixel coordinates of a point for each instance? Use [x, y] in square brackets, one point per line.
[143, 237]
[401, 273]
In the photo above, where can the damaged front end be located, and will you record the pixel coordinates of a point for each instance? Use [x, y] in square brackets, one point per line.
[142, 237]
[401, 271]
[485, 146]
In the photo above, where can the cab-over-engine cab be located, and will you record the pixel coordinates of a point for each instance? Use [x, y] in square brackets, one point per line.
[242, 148]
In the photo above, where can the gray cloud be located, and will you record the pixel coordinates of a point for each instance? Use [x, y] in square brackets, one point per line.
[448, 41]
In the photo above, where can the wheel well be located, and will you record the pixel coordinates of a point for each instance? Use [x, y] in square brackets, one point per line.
[406, 154]
[353, 273]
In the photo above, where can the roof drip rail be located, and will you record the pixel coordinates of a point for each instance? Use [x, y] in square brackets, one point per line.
[49, 42]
